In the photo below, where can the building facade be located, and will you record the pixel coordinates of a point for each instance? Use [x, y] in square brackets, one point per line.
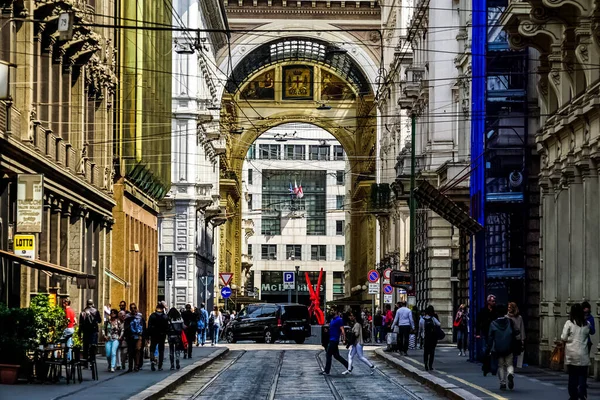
[307, 231]
[57, 122]
[563, 49]
[187, 220]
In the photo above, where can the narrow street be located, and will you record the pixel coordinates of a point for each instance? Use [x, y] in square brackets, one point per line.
[282, 371]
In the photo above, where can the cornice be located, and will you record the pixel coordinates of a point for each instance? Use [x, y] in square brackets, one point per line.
[375, 12]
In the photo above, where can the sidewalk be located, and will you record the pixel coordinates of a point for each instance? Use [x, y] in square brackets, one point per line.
[117, 385]
[530, 382]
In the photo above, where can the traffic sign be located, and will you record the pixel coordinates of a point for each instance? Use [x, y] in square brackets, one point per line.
[387, 299]
[388, 289]
[373, 288]
[289, 280]
[373, 276]
[24, 246]
[387, 273]
[226, 277]
[226, 292]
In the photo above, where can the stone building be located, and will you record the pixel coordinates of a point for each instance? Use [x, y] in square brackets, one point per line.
[565, 38]
[190, 213]
[57, 121]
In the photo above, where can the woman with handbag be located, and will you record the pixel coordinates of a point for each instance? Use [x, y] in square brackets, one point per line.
[356, 343]
[460, 323]
[429, 325]
[575, 335]
[515, 317]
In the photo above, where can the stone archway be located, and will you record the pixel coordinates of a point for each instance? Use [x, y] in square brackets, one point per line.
[327, 91]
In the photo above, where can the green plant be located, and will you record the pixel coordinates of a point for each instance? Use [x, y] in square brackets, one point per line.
[50, 321]
[77, 342]
[18, 334]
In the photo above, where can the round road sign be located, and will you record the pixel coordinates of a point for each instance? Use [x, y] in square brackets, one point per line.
[387, 273]
[388, 289]
[373, 276]
[226, 292]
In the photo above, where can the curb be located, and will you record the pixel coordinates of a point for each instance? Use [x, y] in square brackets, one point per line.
[441, 386]
[177, 378]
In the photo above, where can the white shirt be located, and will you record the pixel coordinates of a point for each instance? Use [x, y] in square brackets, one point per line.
[218, 318]
[404, 318]
[576, 350]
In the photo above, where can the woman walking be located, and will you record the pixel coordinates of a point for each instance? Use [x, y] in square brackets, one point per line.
[174, 337]
[515, 317]
[460, 323]
[113, 333]
[575, 335]
[428, 326]
[122, 352]
[216, 322]
[356, 347]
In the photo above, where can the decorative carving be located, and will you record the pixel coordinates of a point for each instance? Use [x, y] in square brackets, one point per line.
[582, 49]
[555, 76]
[82, 160]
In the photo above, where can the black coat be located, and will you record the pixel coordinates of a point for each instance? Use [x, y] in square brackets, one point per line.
[158, 324]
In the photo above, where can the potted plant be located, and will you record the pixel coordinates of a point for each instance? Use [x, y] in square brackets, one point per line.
[50, 320]
[18, 335]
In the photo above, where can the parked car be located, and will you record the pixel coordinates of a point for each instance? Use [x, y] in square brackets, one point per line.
[270, 322]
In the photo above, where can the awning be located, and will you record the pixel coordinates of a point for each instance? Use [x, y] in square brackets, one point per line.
[45, 266]
[117, 278]
[441, 204]
[505, 273]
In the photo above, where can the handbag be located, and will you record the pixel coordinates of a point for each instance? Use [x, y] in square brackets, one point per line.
[439, 333]
[557, 359]
[146, 352]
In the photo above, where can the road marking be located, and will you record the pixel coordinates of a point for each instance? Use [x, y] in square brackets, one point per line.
[474, 386]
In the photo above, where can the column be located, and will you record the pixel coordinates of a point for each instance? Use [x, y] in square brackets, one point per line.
[65, 226]
[76, 237]
[439, 254]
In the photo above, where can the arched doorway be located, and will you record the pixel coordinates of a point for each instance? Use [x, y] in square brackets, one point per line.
[309, 81]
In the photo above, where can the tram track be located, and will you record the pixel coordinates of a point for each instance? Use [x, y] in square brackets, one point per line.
[199, 392]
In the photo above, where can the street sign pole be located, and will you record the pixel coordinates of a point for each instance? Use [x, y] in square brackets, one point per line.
[289, 295]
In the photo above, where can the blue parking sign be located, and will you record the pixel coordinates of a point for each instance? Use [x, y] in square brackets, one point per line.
[289, 280]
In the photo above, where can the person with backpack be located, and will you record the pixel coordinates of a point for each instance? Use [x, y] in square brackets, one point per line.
[175, 337]
[428, 326]
[89, 321]
[502, 338]
[135, 328]
[190, 322]
[460, 323]
[158, 327]
[202, 325]
[356, 342]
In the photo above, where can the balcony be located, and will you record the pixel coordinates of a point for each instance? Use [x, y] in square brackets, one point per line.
[247, 262]
[204, 196]
[248, 227]
[380, 199]
[219, 145]
[216, 214]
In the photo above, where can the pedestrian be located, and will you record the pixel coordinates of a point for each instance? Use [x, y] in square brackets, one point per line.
[517, 320]
[356, 343]
[113, 333]
[69, 331]
[134, 333]
[122, 352]
[202, 324]
[190, 322]
[107, 309]
[404, 323]
[215, 321]
[590, 320]
[460, 323]
[575, 335]
[123, 306]
[428, 326]
[484, 319]
[175, 342]
[89, 321]
[336, 331]
[158, 327]
[378, 322]
[389, 318]
[501, 339]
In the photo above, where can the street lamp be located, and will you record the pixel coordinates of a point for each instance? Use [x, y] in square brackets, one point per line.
[297, 277]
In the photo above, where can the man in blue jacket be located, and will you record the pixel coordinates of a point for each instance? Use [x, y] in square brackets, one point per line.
[336, 331]
[202, 324]
[590, 320]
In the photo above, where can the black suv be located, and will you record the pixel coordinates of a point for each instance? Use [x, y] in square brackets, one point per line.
[270, 322]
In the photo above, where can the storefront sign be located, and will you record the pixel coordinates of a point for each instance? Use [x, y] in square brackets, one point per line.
[272, 282]
[24, 246]
[30, 202]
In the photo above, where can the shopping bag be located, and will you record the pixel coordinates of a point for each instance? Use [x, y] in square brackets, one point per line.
[557, 359]
[412, 341]
[184, 340]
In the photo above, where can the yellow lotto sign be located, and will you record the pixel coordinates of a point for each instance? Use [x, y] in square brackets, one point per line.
[24, 246]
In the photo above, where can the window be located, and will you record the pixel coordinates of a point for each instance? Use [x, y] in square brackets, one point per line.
[268, 311]
[293, 250]
[338, 283]
[251, 155]
[294, 152]
[339, 177]
[249, 249]
[338, 153]
[268, 251]
[315, 226]
[339, 252]
[269, 151]
[271, 226]
[319, 152]
[318, 252]
[250, 202]
[339, 202]
[339, 227]
[250, 176]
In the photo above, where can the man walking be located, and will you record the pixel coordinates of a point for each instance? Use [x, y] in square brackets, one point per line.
[484, 319]
[158, 326]
[70, 329]
[501, 337]
[404, 321]
[89, 320]
[190, 322]
[135, 327]
[336, 330]
[202, 324]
